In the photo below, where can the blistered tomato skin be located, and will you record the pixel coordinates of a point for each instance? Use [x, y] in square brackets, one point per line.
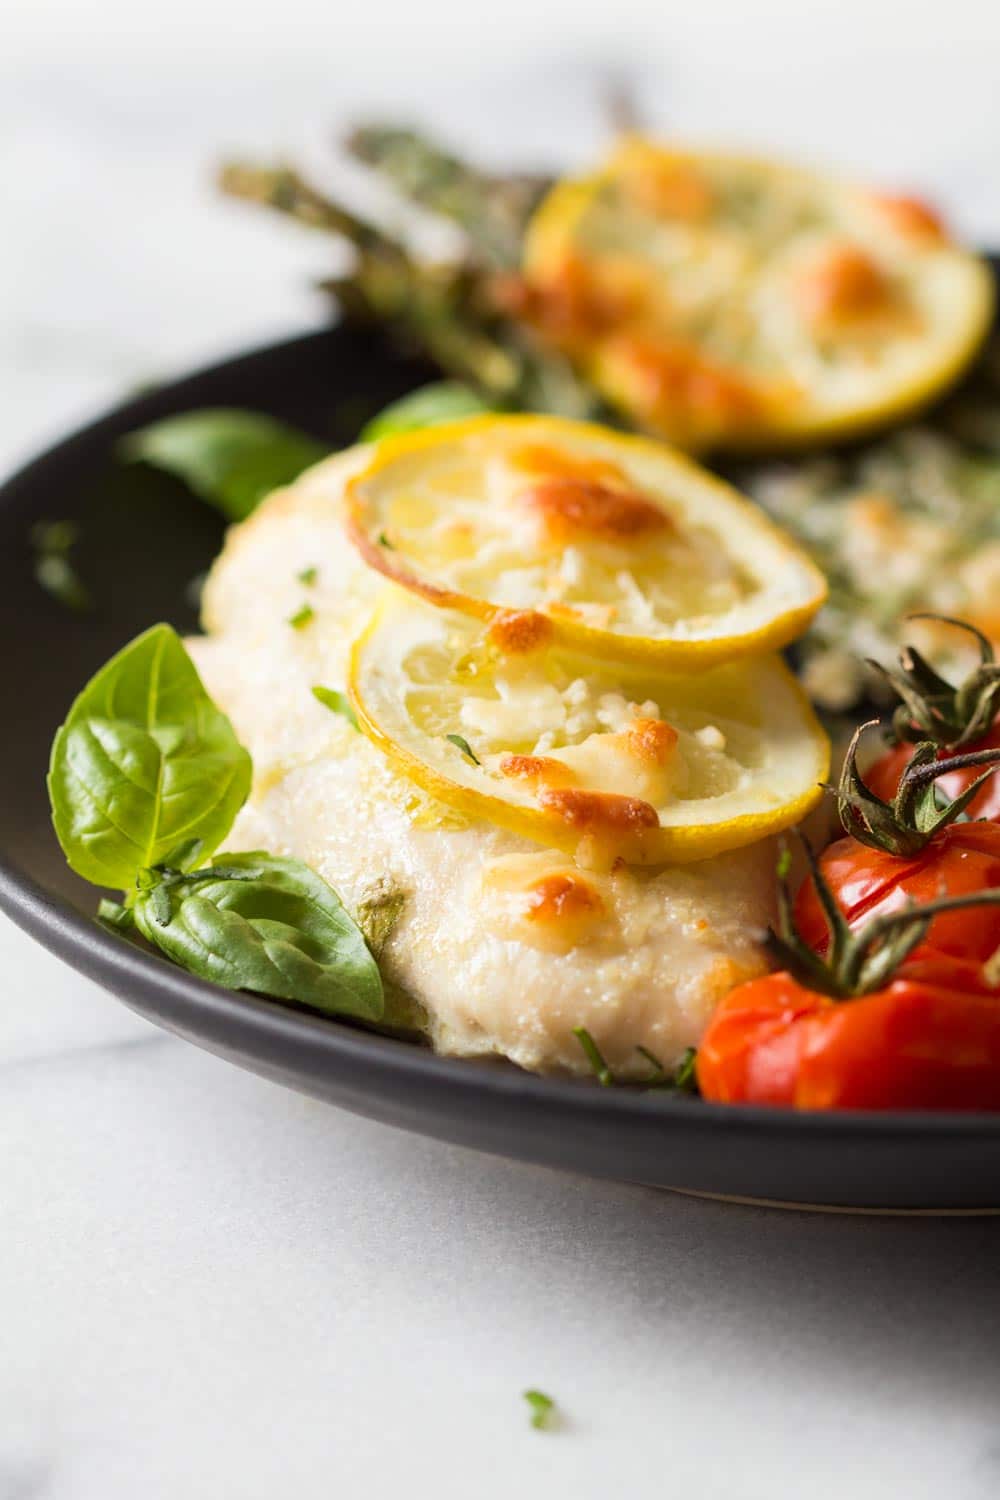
[962, 859]
[884, 776]
[928, 1041]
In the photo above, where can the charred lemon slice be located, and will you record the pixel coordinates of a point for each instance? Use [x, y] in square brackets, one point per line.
[733, 303]
[606, 761]
[630, 550]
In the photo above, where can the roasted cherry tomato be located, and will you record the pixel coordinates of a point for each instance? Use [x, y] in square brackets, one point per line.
[960, 718]
[885, 775]
[960, 860]
[928, 1040]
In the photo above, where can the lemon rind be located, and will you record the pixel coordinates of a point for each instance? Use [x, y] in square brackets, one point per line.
[811, 424]
[677, 653]
[667, 844]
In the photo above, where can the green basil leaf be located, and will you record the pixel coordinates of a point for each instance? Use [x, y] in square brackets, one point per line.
[445, 401]
[228, 457]
[263, 923]
[145, 764]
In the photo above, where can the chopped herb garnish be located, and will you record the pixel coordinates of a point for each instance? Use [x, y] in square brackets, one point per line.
[302, 616]
[384, 541]
[337, 702]
[308, 576]
[462, 744]
[52, 541]
[682, 1080]
[602, 1072]
[659, 1075]
[54, 536]
[542, 1409]
[57, 576]
[685, 1077]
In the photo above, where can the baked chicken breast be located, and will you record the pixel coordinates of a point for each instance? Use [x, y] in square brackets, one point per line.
[504, 946]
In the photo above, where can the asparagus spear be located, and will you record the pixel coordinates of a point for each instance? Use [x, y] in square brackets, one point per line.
[283, 188]
[451, 312]
[492, 210]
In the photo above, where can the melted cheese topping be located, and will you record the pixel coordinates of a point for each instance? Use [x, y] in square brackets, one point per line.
[843, 285]
[476, 521]
[680, 282]
[581, 510]
[540, 900]
[606, 761]
[912, 217]
[639, 761]
[525, 521]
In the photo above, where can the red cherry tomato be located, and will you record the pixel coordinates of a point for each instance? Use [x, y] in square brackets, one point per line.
[960, 860]
[928, 1040]
[883, 777]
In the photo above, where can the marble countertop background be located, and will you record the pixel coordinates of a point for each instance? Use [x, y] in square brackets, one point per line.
[210, 1287]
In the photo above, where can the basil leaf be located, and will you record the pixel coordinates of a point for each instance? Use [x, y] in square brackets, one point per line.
[445, 401]
[228, 457]
[144, 763]
[263, 923]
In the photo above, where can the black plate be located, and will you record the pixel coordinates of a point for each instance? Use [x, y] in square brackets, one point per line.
[143, 541]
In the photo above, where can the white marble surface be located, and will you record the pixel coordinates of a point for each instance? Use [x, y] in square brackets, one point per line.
[211, 1287]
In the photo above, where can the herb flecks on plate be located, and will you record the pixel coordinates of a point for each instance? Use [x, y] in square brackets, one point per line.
[146, 779]
[52, 542]
[543, 1410]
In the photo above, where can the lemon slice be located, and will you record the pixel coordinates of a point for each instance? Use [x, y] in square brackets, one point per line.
[606, 761]
[630, 550]
[726, 302]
